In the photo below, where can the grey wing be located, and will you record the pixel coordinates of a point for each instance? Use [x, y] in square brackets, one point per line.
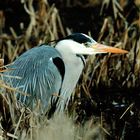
[39, 76]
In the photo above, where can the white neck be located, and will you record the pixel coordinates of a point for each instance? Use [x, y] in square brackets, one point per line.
[73, 70]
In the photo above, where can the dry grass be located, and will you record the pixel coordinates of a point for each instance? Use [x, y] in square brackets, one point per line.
[18, 122]
[118, 29]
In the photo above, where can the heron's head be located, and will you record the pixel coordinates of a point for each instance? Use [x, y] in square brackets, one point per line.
[84, 45]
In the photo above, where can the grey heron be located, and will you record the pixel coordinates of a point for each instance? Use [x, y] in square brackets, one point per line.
[49, 74]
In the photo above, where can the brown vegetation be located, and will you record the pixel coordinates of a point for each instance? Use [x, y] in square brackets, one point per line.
[107, 94]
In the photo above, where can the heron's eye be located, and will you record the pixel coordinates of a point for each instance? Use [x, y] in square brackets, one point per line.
[86, 44]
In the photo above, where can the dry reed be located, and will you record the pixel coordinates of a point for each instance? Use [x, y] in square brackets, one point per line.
[101, 70]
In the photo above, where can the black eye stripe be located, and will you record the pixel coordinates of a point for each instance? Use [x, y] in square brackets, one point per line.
[78, 37]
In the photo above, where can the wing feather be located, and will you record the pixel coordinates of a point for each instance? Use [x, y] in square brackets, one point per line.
[40, 77]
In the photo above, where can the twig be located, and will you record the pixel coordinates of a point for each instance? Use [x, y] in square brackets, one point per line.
[17, 126]
[130, 106]
[11, 135]
[31, 12]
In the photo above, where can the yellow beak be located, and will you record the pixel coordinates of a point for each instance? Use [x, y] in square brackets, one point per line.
[100, 48]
